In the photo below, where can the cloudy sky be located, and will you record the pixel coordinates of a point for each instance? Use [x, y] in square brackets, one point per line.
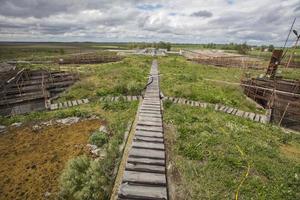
[183, 21]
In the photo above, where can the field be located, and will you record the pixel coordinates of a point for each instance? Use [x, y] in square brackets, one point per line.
[181, 78]
[212, 155]
[217, 156]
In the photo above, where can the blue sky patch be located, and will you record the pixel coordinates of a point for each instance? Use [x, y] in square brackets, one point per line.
[231, 1]
[149, 7]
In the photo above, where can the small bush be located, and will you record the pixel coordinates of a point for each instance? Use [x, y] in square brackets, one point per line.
[98, 138]
[81, 180]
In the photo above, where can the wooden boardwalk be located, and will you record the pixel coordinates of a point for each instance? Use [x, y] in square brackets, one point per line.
[145, 171]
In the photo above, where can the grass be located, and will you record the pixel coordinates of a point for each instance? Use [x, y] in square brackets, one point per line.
[127, 77]
[182, 78]
[211, 154]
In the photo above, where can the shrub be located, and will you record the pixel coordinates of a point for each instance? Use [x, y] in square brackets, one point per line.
[98, 138]
[81, 180]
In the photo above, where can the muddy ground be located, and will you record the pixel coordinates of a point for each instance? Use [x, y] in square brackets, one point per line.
[32, 161]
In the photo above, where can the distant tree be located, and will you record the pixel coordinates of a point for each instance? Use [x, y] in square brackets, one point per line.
[242, 48]
[169, 46]
[271, 48]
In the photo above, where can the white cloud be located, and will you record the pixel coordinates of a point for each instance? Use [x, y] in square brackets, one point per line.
[220, 21]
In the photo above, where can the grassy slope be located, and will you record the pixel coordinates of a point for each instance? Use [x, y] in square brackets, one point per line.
[210, 153]
[127, 77]
[182, 78]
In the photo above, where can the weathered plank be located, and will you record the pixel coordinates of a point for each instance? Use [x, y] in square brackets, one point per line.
[148, 161]
[148, 139]
[145, 168]
[144, 178]
[149, 128]
[149, 134]
[148, 145]
[142, 192]
[149, 123]
[147, 153]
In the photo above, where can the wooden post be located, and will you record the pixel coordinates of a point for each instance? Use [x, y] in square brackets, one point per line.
[274, 62]
[284, 113]
[293, 51]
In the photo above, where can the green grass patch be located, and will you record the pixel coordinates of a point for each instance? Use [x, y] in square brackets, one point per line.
[212, 152]
[181, 78]
[127, 77]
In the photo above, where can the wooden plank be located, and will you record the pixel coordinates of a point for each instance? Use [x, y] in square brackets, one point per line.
[134, 98]
[151, 103]
[149, 123]
[221, 108]
[53, 106]
[257, 118]
[74, 103]
[234, 111]
[151, 119]
[65, 104]
[229, 110]
[150, 115]
[263, 119]
[150, 106]
[144, 178]
[245, 114]
[149, 128]
[216, 107]
[148, 139]
[149, 134]
[148, 145]
[148, 161]
[143, 108]
[142, 192]
[147, 153]
[70, 104]
[251, 116]
[145, 168]
[128, 98]
[240, 113]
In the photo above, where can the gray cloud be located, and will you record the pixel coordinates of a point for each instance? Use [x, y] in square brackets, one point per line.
[118, 20]
[202, 13]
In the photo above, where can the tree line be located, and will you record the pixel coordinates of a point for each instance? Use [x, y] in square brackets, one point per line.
[157, 45]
